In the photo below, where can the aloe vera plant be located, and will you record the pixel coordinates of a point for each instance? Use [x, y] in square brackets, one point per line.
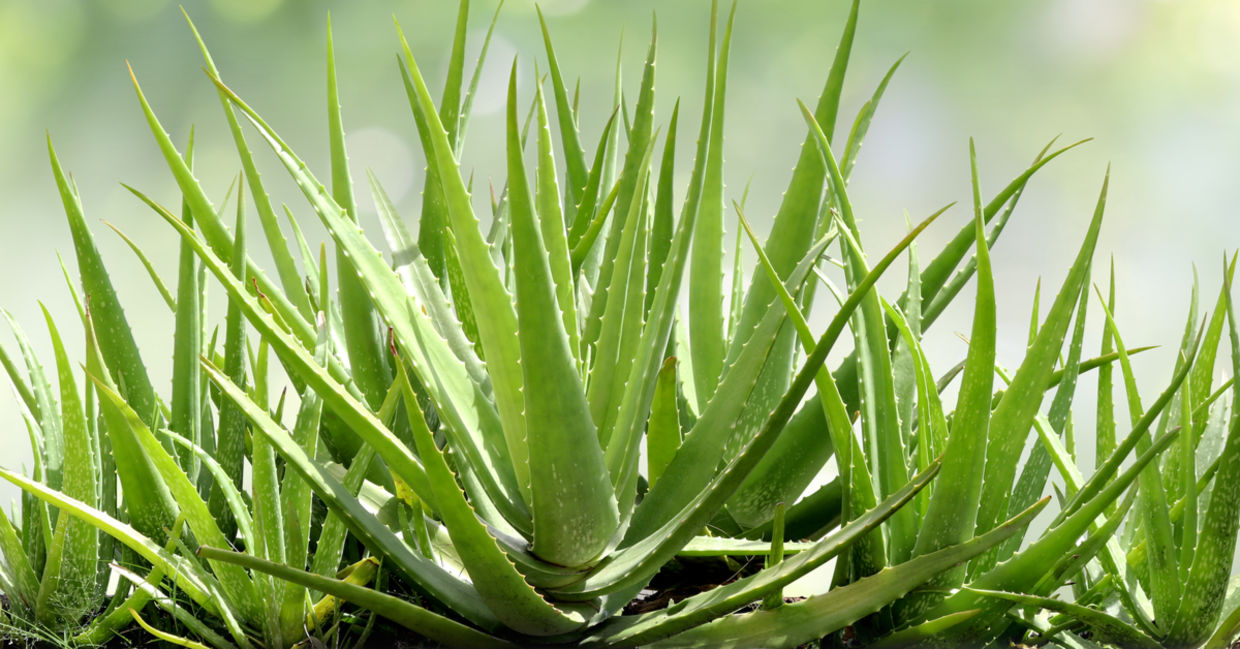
[505, 433]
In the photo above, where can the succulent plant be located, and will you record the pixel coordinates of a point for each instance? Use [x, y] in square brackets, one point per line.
[515, 429]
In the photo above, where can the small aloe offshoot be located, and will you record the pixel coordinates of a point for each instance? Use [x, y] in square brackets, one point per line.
[512, 417]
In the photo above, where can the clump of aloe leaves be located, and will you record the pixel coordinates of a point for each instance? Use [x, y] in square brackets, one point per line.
[523, 425]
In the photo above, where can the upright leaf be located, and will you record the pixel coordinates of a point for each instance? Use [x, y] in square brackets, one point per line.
[1013, 417]
[367, 358]
[707, 321]
[286, 268]
[569, 480]
[68, 588]
[116, 341]
[551, 224]
[483, 279]
[952, 511]
[574, 155]
[186, 418]
[1202, 596]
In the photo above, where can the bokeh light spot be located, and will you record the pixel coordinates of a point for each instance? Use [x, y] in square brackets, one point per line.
[493, 83]
[387, 155]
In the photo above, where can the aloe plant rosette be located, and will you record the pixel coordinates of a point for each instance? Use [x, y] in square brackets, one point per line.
[519, 421]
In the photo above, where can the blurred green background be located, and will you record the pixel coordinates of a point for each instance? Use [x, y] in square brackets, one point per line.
[1155, 82]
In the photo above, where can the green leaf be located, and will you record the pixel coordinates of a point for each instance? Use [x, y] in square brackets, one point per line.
[47, 439]
[937, 284]
[499, 584]
[1013, 417]
[649, 549]
[187, 344]
[802, 449]
[1202, 595]
[410, 616]
[569, 481]
[148, 502]
[1028, 567]
[286, 268]
[234, 582]
[794, 624]
[706, 298]
[484, 281]
[1105, 628]
[707, 443]
[68, 588]
[861, 125]
[460, 401]
[472, 92]
[432, 219]
[663, 436]
[1153, 512]
[951, 515]
[361, 333]
[117, 344]
[922, 633]
[164, 636]
[150, 268]
[661, 228]
[880, 422]
[17, 568]
[620, 318]
[1032, 481]
[186, 575]
[795, 222]
[633, 630]
[212, 225]
[237, 504]
[551, 223]
[419, 281]
[230, 433]
[379, 538]
[585, 214]
[630, 194]
[1104, 433]
[147, 591]
[329, 547]
[574, 155]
